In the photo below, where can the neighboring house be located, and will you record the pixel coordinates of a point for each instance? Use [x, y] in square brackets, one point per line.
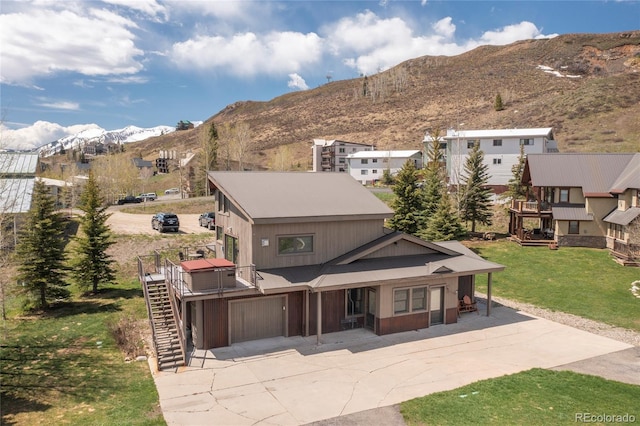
[586, 200]
[17, 178]
[501, 148]
[184, 125]
[367, 167]
[62, 192]
[145, 167]
[331, 155]
[299, 254]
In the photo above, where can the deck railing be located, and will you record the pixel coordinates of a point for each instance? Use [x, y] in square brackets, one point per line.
[530, 206]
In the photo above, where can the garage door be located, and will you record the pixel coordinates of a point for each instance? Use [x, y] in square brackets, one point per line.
[252, 319]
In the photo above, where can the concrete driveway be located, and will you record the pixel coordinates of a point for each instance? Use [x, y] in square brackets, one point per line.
[293, 381]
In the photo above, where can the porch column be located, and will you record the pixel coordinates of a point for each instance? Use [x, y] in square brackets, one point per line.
[183, 315]
[489, 278]
[306, 308]
[319, 317]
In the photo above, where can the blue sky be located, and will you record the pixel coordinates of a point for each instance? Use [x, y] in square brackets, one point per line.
[68, 65]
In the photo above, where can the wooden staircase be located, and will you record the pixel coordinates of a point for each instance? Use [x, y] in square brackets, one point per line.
[167, 335]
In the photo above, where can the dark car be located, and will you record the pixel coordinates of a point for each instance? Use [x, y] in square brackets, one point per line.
[128, 199]
[165, 222]
[208, 219]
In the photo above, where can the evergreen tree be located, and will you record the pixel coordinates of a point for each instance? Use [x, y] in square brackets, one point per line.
[443, 224]
[476, 197]
[497, 105]
[434, 179]
[41, 250]
[515, 189]
[93, 266]
[408, 201]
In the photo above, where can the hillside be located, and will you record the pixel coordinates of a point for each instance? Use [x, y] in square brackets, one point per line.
[591, 99]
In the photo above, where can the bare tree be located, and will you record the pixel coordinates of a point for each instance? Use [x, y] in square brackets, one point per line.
[242, 143]
[116, 175]
[283, 158]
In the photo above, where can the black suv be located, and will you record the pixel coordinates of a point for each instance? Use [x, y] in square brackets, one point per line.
[165, 222]
[128, 199]
[208, 219]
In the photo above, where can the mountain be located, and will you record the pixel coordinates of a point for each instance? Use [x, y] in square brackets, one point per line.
[585, 86]
[99, 135]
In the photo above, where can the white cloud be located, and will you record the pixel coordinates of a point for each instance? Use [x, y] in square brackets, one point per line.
[149, 7]
[522, 31]
[63, 105]
[297, 82]
[249, 54]
[41, 42]
[38, 134]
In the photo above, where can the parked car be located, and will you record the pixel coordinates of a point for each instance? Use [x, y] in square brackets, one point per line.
[128, 199]
[172, 191]
[165, 222]
[149, 196]
[208, 219]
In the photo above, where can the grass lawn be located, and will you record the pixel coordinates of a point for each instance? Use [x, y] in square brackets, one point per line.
[581, 281]
[64, 367]
[533, 397]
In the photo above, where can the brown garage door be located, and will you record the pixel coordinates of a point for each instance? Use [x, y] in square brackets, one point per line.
[259, 318]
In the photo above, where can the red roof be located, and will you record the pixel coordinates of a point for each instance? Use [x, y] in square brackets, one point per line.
[205, 264]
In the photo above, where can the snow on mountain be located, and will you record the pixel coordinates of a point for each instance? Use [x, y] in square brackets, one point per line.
[100, 135]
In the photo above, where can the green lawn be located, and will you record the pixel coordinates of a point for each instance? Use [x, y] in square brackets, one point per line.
[64, 367]
[581, 281]
[534, 397]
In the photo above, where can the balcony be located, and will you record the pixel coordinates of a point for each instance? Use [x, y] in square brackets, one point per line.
[522, 206]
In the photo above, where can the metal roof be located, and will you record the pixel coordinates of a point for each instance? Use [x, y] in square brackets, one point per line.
[594, 173]
[15, 195]
[571, 213]
[497, 133]
[629, 178]
[384, 154]
[624, 218]
[303, 196]
[14, 163]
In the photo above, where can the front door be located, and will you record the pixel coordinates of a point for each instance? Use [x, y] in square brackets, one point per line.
[436, 305]
[230, 248]
[370, 317]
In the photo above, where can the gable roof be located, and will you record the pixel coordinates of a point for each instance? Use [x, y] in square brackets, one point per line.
[12, 164]
[594, 173]
[279, 197]
[629, 178]
[620, 217]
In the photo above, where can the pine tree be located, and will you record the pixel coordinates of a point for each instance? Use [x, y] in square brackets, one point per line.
[476, 197]
[497, 105]
[408, 203]
[434, 179]
[515, 189]
[93, 266]
[41, 250]
[443, 224]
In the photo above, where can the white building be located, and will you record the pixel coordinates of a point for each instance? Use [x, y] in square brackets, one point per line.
[331, 155]
[368, 166]
[501, 148]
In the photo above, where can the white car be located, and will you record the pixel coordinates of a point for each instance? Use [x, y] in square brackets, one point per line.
[149, 196]
[172, 191]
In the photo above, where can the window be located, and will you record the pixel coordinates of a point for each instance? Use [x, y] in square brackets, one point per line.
[409, 300]
[341, 150]
[295, 244]
[223, 203]
[471, 143]
[497, 142]
[375, 160]
[497, 161]
[574, 227]
[364, 172]
[364, 161]
[401, 301]
[219, 233]
[564, 195]
[374, 171]
[341, 160]
[355, 301]
[526, 142]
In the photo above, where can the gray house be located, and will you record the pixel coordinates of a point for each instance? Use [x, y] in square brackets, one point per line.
[307, 254]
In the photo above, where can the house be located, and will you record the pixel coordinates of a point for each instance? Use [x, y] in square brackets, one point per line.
[585, 200]
[501, 148]
[367, 167]
[331, 155]
[300, 254]
[184, 125]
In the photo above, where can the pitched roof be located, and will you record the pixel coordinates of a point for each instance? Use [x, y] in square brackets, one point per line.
[623, 218]
[570, 213]
[629, 178]
[594, 173]
[12, 164]
[276, 197]
[15, 195]
[325, 142]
